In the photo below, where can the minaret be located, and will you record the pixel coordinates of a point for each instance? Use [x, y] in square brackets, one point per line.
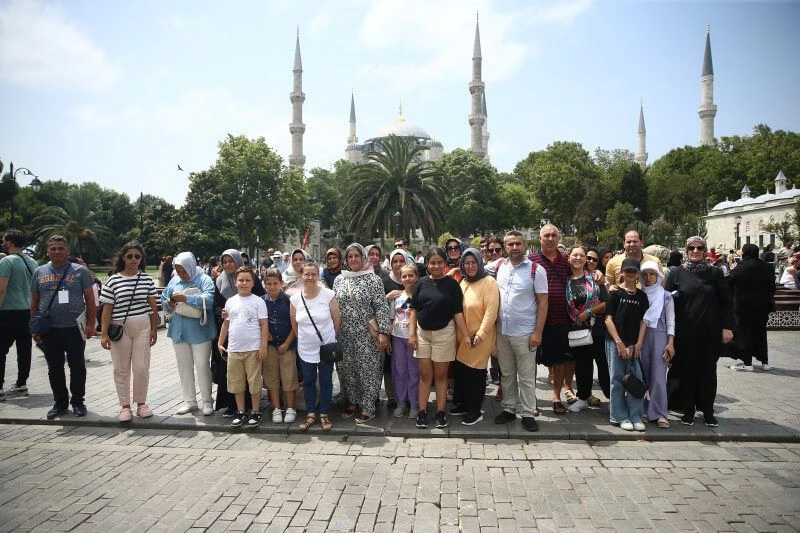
[476, 118]
[297, 97]
[485, 130]
[641, 154]
[352, 139]
[707, 110]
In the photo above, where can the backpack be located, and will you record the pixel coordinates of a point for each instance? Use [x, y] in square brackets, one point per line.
[502, 260]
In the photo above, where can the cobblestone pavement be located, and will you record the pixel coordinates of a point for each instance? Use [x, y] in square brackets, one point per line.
[68, 478]
[758, 406]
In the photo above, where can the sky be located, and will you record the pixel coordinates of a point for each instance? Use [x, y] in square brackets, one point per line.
[121, 93]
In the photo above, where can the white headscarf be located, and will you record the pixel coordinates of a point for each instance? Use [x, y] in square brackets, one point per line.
[655, 294]
[188, 262]
[409, 261]
[366, 268]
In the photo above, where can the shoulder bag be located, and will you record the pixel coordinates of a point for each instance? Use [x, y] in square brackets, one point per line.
[184, 309]
[115, 331]
[328, 353]
[632, 384]
[580, 335]
[40, 322]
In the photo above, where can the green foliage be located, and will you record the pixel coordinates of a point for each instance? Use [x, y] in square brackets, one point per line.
[443, 238]
[782, 229]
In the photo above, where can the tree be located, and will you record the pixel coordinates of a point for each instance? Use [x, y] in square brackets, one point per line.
[395, 179]
[782, 229]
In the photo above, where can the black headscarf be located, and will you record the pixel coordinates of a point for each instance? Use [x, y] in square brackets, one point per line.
[479, 258]
[750, 251]
[675, 259]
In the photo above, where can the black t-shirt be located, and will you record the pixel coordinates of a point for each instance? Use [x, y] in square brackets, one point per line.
[390, 285]
[628, 311]
[436, 301]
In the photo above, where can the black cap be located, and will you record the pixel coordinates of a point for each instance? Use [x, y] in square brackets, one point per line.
[630, 263]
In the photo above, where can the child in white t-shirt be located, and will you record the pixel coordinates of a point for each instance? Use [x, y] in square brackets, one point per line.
[247, 326]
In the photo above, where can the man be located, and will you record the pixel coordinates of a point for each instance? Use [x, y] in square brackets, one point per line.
[633, 249]
[769, 256]
[333, 266]
[268, 262]
[521, 319]
[277, 261]
[16, 274]
[401, 243]
[63, 291]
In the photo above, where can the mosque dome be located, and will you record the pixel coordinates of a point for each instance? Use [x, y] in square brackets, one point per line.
[723, 205]
[402, 128]
[789, 193]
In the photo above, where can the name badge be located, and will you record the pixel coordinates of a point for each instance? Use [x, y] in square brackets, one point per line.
[63, 297]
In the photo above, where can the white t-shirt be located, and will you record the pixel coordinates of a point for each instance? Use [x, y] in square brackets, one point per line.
[307, 340]
[244, 326]
[400, 316]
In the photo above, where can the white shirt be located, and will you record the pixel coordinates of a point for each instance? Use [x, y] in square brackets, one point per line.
[244, 322]
[308, 342]
[518, 290]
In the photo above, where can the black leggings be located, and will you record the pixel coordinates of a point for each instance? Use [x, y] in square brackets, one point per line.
[585, 359]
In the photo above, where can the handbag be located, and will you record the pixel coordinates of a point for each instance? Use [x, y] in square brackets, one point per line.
[328, 353]
[39, 323]
[115, 331]
[581, 335]
[635, 386]
[184, 309]
[372, 323]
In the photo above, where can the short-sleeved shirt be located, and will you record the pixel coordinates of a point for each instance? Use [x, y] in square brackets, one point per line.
[558, 271]
[628, 311]
[436, 301]
[244, 322]
[614, 266]
[280, 323]
[518, 289]
[308, 342]
[400, 319]
[18, 269]
[119, 292]
[65, 310]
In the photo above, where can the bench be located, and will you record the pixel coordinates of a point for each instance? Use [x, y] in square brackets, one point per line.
[787, 310]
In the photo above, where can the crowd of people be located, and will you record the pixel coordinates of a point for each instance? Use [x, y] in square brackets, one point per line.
[453, 319]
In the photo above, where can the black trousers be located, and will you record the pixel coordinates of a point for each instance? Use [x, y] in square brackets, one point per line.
[61, 343]
[696, 359]
[586, 357]
[15, 329]
[470, 387]
[751, 333]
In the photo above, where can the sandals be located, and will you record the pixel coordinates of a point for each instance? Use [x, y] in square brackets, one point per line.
[310, 421]
[350, 411]
[593, 401]
[325, 422]
[559, 409]
[570, 396]
[663, 423]
[363, 418]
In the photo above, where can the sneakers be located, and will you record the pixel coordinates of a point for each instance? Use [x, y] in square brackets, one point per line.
[79, 410]
[529, 423]
[627, 425]
[22, 390]
[290, 416]
[710, 421]
[457, 410]
[208, 408]
[399, 411]
[186, 408]
[412, 413]
[687, 419]
[277, 416]
[125, 415]
[742, 367]
[578, 405]
[504, 418]
[55, 412]
[253, 420]
[238, 419]
[229, 412]
[422, 420]
[765, 367]
[472, 419]
[143, 411]
[441, 420]
[639, 426]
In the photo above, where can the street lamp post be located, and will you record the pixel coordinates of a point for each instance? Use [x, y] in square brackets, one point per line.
[398, 220]
[257, 220]
[36, 185]
[545, 217]
[737, 221]
[638, 214]
[597, 224]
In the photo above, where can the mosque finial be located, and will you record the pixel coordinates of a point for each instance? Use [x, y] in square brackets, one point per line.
[298, 30]
[708, 27]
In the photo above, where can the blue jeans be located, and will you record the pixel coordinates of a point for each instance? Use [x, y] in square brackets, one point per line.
[622, 406]
[310, 386]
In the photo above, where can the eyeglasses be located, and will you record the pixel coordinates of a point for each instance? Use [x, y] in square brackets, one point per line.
[695, 248]
[133, 256]
[495, 250]
[592, 259]
[452, 248]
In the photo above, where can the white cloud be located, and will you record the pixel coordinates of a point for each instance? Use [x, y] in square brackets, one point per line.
[40, 48]
[92, 117]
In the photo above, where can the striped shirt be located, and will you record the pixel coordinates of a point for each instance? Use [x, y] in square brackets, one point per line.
[118, 291]
[558, 272]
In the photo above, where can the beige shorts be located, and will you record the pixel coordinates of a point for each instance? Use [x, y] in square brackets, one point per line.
[280, 370]
[438, 345]
[244, 369]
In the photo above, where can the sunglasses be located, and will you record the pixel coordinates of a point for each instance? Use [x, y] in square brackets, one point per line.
[495, 250]
[590, 258]
[453, 248]
[631, 271]
[695, 248]
[133, 256]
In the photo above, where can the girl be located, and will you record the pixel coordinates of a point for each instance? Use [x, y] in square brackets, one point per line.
[658, 348]
[405, 370]
[246, 323]
[625, 311]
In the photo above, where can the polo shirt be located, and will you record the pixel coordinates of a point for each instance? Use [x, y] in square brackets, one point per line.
[558, 272]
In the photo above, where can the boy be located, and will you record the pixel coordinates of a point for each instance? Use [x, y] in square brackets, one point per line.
[280, 367]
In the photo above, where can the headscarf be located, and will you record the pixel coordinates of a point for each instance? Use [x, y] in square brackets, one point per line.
[675, 258]
[226, 283]
[409, 261]
[188, 262]
[479, 258]
[750, 251]
[367, 267]
[655, 294]
[592, 296]
[700, 267]
[292, 279]
[368, 264]
[452, 263]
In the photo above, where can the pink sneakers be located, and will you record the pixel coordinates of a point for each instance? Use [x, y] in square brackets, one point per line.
[143, 411]
[125, 415]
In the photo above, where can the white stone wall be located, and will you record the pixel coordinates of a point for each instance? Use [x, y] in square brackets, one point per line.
[720, 226]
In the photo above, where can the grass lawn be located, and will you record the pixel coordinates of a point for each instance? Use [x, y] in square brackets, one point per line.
[102, 272]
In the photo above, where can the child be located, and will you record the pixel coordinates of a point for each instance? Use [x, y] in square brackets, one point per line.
[280, 367]
[658, 348]
[247, 347]
[625, 311]
[405, 369]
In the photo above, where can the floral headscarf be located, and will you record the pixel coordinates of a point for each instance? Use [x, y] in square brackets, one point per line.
[589, 289]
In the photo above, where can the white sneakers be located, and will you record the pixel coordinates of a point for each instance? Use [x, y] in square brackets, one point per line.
[742, 367]
[186, 408]
[290, 416]
[277, 416]
[578, 405]
[208, 408]
[638, 426]
[765, 367]
[627, 425]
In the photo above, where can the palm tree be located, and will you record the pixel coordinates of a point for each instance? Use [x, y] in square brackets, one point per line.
[393, 180]
[77, 220]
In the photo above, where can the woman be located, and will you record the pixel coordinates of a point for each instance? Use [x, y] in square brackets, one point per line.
[454, 249]
[315, 321]
[374, 256]
[437, 312]
[364, 333]
[191, 337]
[789, 276]
[130, 300]
[703, 318]
[605, 256]
[224, 288]
[292, 281]
[586, 305]
[675, 260]
[481, 301]
[165, 271]
[753, 286]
